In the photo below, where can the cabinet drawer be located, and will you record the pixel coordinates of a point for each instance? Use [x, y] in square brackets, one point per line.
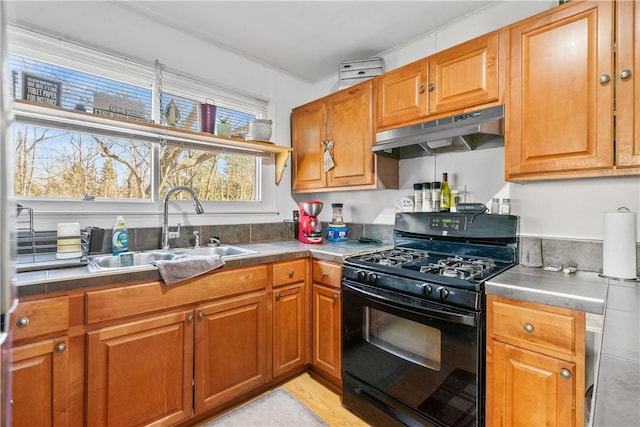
[547, 329]
[41, 317]
[143, 298]
[327, 273]
[288, 272]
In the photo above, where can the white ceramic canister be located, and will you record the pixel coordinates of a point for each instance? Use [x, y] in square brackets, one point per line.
[259, 129]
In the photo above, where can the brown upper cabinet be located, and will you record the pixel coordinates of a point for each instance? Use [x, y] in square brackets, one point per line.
[466, 75]
[342, 123]
[567, 83]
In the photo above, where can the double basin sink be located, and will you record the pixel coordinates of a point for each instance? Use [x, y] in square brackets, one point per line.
[145, 259]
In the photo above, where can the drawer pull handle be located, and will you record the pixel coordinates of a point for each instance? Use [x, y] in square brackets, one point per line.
[278, 296]
[291, 274]
[565, 373]
[625, 74]
[61, 347]
[22, 322]
[528, 328]
[335, 297]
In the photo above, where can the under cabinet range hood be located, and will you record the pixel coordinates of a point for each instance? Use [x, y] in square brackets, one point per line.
[474, 130]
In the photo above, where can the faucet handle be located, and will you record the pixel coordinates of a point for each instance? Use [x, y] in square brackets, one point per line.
[213, 242]
[174, 234]
[196, 240]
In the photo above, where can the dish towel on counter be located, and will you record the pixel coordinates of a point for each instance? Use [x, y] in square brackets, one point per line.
[184, 267]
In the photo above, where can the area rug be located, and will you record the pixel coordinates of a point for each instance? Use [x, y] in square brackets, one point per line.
[278, 408]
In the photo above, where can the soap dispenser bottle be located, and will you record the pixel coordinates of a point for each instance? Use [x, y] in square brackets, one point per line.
[120, 237]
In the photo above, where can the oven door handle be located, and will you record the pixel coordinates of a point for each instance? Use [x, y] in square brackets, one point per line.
[384, 297]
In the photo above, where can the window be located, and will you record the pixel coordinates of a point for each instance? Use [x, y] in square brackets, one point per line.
[62, 163]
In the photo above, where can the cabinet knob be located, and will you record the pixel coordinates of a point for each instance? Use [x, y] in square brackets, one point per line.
[625, 74]
[291, 274]
[278, 296]
[605, 78]
[190, 318]
[432, 86]
[528, 328]
[565, 373]
[200, 315]
[335, 297]
[422, 89]
[323, 274]
[60, 347]
[22, 322]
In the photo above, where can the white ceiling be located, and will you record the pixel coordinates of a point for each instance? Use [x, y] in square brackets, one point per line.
[307, 39]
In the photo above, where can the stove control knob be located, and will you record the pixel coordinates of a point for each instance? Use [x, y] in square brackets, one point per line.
[372, 277]
[426, 288]
[443, 292]
[362, 276]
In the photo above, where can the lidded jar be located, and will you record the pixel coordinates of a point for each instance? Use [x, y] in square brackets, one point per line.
[337, 214]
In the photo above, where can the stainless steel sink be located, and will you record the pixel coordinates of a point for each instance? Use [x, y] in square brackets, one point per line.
[145, 259]
[140, 259]
[222, 250]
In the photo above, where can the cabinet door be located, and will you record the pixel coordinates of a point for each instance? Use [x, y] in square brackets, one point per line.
[308, 134]
[141, 372]
[525, 388]
[350, 128]
[465, 75]
[40, 383]
[231, 349]
[402, 94]
[560, 120]
[289, 328]
[327, 342]
[628, 84]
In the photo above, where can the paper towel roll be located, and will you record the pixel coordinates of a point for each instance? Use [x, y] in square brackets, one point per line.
[619, 246]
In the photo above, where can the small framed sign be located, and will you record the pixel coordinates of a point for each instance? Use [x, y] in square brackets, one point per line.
[41, 90]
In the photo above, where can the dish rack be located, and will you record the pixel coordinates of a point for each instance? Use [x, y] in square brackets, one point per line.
[37, 250]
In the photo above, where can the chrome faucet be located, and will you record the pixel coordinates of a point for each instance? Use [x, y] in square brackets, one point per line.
[165, 222]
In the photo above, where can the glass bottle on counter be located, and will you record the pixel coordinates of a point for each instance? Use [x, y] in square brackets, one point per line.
[435, 196]
[426, 197]
[495, 205]
[445, 194]
[506, 207]
[417, 197]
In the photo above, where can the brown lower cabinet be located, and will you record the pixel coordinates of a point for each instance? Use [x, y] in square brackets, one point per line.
[40, 363]
[140, 372]
[148, 354]
[231, 349]
[40, 383]
[535, 364]
[326, 320]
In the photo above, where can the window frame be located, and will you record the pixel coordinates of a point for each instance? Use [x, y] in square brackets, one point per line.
[62, 53]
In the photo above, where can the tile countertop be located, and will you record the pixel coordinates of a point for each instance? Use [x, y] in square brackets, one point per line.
[617, 386]
[65, 279]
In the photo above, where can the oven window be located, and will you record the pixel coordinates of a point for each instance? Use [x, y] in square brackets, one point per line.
[404, 338]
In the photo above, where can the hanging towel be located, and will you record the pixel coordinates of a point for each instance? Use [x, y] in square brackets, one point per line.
[184, 267]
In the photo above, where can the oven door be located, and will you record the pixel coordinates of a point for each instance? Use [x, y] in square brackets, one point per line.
[413, 360]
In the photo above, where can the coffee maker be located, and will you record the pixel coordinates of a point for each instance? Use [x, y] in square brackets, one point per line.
[310, 227]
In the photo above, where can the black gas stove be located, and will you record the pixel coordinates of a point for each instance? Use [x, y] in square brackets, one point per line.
[413, 331]
[445, 257]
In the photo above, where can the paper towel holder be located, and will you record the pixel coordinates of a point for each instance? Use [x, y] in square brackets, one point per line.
[621, 209]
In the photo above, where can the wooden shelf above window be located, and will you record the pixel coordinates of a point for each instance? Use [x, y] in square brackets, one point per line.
[81, 121]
